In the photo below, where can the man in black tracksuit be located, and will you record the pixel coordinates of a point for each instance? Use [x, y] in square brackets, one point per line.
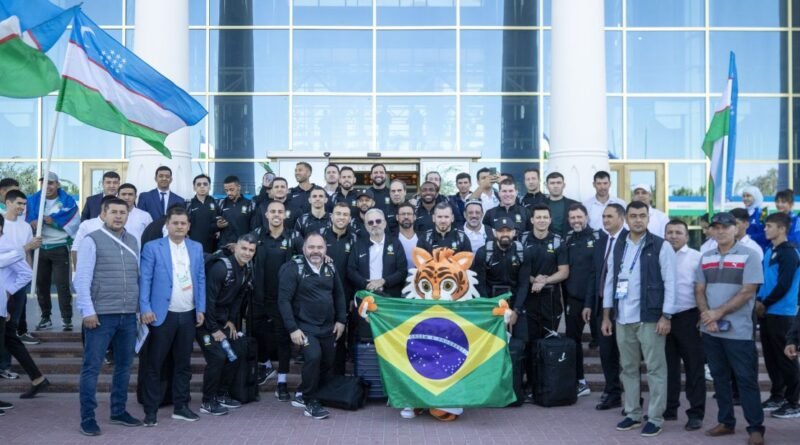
[580, 245]
[202, 210]
[235, 212]
[317, 218]
[312, 305]
[275, 246]
[509, 208]
[444, 234]
[226, 281]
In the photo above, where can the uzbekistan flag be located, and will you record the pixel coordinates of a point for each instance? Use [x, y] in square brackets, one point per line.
[440, 354]
[720, 141]
[28, 28]
[107, 86]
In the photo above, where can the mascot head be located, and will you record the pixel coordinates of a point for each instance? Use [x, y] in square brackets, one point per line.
[445, 275]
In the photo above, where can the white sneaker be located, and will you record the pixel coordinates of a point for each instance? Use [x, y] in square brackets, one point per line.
[8, 374]
[708, 374]
[408, 413]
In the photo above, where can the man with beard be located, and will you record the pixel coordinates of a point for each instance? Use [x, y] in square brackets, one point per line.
[317, 218]
[405, 233]
[444, 234]
[331, 179]
[280, 193]
[424, 208]
[345, 193]
[312, 306]
[397, 194]
[365, 201]
[380, 193]
[477, 232]
[302, 173]
[234, 214]
[460, 198]
[275, 246]
[580, 245]
[509, 208]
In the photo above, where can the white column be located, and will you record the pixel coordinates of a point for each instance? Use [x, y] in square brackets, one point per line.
[162, 40]
[578, 97]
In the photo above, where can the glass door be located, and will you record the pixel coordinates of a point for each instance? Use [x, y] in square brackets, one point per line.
[625, 176]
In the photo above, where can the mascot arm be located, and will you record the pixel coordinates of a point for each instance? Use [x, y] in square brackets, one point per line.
[367, 305]
[502, 310]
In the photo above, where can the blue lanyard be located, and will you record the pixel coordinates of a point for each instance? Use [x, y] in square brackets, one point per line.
[635, 258]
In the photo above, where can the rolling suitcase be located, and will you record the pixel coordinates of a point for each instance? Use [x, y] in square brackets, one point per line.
[366, 366]
[556, 382]
[244, 386]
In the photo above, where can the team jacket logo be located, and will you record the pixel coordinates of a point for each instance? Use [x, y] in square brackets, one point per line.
[211, 206]
[390, 250]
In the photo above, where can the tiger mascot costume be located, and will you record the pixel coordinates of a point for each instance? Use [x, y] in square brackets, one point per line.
[443, 276]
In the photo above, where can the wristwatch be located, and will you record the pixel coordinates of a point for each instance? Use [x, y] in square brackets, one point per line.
[667, 316]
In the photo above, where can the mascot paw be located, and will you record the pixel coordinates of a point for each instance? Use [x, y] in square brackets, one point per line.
[443, 416]
[503, 310]
[367, 305]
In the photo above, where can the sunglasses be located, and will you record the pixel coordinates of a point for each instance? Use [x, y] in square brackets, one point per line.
[374, 222]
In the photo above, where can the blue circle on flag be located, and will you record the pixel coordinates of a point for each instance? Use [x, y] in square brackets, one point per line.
[437, 348]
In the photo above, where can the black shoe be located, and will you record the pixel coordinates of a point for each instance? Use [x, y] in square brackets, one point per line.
[628, 424]
[125, 419]
[772, 404]
[185, 414]
[213, 408]
[282, 392]
[150, 420]
[264, 374]
[6, 406]
[651, 430]
[693, 424]
[315, 410]
[67, 325]
[45, 325]
[35, 389]
[298, 401]
[108, 359]
[670, 416]
[608, 403]
[90, 428]
[226, 401]
[29, 339]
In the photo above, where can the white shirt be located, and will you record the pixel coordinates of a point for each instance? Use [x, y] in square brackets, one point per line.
[138, 220]
[746, 241]
[595, 208]
[658, 222]
[408, 247]
[686, 263]
[489, 201]
[477, 238]
[18, 232]
[166, 198]
[182, 295]
[376, 259]
[86, 227]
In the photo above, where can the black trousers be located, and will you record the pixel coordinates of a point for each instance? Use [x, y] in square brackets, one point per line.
[262, 331]
[219, 373]
[9, 342]
[684, 343]
[609, 360]
[175, 334]
[783, 371]
[273, 340]
[575, 324]
[318, 358]
[54, 269]
[543, 313]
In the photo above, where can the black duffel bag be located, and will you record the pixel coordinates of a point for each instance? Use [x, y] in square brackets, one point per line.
[343, 392]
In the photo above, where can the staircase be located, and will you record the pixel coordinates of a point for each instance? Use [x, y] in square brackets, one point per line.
[60, 355]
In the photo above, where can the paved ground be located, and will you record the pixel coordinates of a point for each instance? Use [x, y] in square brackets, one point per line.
[53, 419]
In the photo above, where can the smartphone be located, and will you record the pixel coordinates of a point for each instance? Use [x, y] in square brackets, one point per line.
[724, 325]
[493, 171]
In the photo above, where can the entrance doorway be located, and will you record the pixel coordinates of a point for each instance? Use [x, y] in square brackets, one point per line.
[625, 176]
[92, 176]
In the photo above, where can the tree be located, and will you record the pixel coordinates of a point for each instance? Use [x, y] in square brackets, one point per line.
[767, 183]
[24, 173]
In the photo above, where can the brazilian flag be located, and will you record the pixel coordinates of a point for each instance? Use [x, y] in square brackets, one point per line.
[442, 354]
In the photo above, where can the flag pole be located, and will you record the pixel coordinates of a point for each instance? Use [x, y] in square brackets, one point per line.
[42, 198]
[724, 191]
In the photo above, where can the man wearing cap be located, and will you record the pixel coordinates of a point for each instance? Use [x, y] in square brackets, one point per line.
[61, 222]
[477, 232]
[725, 288]
[741, 236]
[365, 200]
[444, 234]
[658, 220]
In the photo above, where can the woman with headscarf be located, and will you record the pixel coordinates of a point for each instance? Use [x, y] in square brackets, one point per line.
[753, 200]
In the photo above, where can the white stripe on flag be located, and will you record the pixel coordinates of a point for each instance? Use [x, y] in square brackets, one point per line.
[136, 108]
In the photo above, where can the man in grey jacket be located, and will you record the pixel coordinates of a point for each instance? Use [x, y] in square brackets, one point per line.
[106, 281]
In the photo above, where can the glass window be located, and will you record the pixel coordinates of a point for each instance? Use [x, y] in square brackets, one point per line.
[333, 12]
[416, 61]
[761, 128]
[666, 13]
[197, 60]
[614, 131]
[614, 61]
[796, 59]
[768, 177]
[499, 61]
[76, 140]
[24, 172]
[338, 123]
[687, 181]
[416, 13]
[498, 13]
[249, 174]
[747, 12]
[260, 122]
[197, 12]
[104, 13]
[666, 62]
[417, 123]
[255, 60]
[261, 13]
[613, 12]
[68, 176]
[500, 126]
[332, 61]
[129, 35]
[760, 58]
[668, 128]
[18, 125]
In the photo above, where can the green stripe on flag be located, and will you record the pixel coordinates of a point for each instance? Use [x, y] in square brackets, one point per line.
[90, 107]
[717, 130]
[25, 72]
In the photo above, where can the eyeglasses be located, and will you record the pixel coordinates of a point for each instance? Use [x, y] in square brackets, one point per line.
[374, 222]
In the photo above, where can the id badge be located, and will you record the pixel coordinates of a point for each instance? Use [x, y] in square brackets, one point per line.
[622, 289]
[185, 281]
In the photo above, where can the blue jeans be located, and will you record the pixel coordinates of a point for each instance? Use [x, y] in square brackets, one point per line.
[118, 330]
[740, 358]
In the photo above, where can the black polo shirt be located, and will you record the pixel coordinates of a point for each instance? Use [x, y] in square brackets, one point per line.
[203, 220]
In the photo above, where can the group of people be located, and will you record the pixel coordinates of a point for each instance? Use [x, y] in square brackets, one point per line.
[286, 264]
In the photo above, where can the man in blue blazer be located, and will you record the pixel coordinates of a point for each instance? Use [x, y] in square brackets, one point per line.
[92, 207]
[157, 201]
[172, 300]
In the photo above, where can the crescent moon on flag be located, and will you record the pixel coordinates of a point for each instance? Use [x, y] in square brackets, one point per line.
[86, 29]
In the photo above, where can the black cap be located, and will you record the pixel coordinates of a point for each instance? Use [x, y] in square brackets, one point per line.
[503, 223]
[723, 218]
[366, 192]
